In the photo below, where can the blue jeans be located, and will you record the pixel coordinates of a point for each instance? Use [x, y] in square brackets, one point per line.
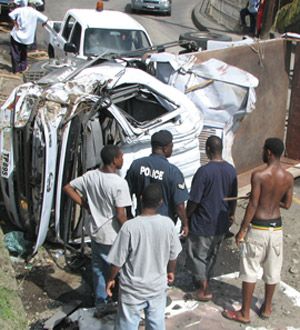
[129, 316]
[100, 270]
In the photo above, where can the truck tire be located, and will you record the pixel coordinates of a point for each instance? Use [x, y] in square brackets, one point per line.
[201, 38]
[133, 10]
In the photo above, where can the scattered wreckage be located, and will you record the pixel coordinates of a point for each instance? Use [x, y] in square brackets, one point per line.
[53, 130]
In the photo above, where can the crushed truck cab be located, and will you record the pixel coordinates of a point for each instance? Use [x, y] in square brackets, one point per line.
[86, 33]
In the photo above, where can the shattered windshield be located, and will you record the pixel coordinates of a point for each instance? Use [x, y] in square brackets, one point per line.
[117, 41]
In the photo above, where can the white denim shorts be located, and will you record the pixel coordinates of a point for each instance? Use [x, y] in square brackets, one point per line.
[262, 249]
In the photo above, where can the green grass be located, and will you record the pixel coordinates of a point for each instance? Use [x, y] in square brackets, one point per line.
[6, 309]
[12, 313]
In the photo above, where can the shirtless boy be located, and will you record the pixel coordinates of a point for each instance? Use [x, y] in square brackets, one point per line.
[261, 229]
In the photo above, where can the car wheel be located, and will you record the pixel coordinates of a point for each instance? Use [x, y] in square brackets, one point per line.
[169, 12]
[51, 52]
[201, 38]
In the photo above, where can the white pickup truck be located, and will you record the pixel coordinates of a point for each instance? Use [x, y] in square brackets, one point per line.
[86, 33]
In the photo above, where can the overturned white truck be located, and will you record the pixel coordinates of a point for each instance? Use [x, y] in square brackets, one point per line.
[52, 132]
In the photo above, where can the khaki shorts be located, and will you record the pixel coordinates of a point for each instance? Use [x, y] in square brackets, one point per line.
[262, 249]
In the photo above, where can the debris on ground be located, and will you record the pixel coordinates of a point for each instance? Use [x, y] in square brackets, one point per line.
[16, 243]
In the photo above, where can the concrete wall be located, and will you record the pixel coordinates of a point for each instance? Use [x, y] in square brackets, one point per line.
[267, 60]
[226, 12]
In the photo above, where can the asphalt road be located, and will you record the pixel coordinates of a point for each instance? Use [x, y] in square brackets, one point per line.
[160, 28]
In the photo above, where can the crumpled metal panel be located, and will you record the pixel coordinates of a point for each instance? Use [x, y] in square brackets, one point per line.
[223, 93]
[266, 60]
[217, 97]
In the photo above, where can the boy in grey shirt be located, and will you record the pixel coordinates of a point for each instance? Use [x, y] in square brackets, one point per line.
[145, 253]
[105, 194]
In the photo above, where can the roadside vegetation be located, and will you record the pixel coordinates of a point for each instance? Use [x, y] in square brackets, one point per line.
[288, 18]
[12, 313]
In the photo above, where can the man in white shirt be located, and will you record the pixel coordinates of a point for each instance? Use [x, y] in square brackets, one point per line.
[25, 19]
[105, 195]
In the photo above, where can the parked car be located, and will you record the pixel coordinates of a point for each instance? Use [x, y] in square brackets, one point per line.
[87, 33]
[155, 6]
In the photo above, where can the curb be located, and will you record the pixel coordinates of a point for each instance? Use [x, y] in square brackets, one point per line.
[205, 22]
[196, 13]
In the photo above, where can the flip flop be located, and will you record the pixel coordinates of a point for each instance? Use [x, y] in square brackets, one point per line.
[234, 316]
[261, 314]
[205, 298]
[195, 296]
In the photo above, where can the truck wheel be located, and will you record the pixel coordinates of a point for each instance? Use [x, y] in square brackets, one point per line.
[51, 53]
[201, 38]
[133, 10]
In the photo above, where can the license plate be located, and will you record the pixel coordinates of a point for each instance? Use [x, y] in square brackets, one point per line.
[150, 6]
[5, 157]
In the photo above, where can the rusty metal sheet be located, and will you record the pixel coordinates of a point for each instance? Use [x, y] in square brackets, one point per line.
[267, 61]
[293, 131]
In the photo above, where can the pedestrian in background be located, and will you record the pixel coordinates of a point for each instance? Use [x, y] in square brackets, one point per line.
[105, 195]
[145, 253]
[25, 20]
[260, 234]
[250, 10]
[39, 6]
[156, 169]
[209, 214]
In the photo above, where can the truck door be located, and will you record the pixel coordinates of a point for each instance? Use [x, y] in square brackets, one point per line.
[63, 37]
[75, 38]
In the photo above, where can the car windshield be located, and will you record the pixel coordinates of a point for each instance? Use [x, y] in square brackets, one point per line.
[117, 41]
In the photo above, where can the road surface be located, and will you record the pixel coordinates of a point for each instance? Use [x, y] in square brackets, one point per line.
[160, 28]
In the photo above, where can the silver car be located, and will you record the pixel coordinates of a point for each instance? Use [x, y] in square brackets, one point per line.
[157, 6]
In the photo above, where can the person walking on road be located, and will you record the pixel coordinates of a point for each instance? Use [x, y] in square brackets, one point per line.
[261, 231]
[250, 10]
[209, 214]
[105, 195]
[156, 169]
[145, 253]
[25, 19]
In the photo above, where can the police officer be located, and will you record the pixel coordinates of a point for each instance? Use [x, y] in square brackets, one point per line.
[157, 169]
